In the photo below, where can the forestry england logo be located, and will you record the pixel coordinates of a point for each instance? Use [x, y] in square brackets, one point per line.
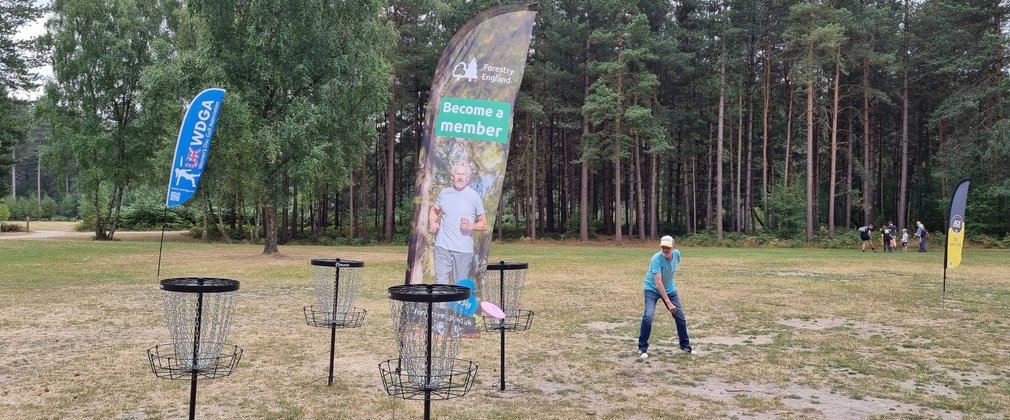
[486, 72]
[469, 71]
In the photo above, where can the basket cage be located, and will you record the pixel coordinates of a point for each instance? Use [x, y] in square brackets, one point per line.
[325, 282]
[410, 329]
[509, 299]
[216, 311]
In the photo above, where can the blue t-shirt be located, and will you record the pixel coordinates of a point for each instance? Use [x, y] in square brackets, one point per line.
[455, 205]
[665, 268]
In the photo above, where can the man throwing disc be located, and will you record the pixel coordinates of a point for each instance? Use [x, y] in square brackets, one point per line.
[659, 285]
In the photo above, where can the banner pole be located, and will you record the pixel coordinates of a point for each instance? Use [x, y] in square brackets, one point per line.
[161, 244]
[946, 244]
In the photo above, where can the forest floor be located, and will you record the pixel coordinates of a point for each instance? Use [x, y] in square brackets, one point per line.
[785, 333]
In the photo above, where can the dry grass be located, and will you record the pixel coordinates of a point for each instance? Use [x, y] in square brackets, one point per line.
[779, 333]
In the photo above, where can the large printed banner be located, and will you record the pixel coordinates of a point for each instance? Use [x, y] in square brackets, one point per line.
[955, 225]
[193, 145]
[461, 164]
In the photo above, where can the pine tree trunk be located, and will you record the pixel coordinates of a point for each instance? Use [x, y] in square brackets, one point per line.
[296, 221]
[363, 190]
[38, 178]
[653, 211]
[834, 147]
[765, 153]
[387, 221]
[709, 209]
[787, 170]
[737, 198]
[748, 204]
[640, 193]
[351, 209]
[694, 194]
[533, 217]
[718, 155]
[584, 166]
[811, 151]
[848, 171]
[685, 191]
[14, 176]
[867, 156]
[903, 189]
[618, 238]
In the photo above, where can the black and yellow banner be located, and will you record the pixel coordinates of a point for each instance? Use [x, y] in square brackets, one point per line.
[461, 164]
[956, 226]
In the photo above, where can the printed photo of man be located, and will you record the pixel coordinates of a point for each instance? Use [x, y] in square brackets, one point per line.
[457, 213]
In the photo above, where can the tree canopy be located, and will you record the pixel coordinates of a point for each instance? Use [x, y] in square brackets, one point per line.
[777, 118]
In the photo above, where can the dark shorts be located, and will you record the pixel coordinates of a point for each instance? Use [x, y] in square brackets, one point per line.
[864, 236]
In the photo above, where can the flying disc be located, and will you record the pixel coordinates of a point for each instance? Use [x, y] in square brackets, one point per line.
[493, 310]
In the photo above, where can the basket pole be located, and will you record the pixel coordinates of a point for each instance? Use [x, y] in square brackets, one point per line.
[427, 377]
[196, 349]
[333, 314]
[502, 324]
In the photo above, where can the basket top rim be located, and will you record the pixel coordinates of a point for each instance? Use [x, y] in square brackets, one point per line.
[199, 285]
[429, 293]
[508, 265]
[332, 262]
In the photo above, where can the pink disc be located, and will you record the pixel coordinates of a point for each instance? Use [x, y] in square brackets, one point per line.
[493, 310]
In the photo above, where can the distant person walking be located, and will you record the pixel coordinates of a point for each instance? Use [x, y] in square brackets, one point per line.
[922, 234]
[659, 285]
[864, 235]
[904, 240]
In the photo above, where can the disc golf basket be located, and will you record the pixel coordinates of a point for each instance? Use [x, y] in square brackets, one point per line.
[337, 283]
[427, 327]
[507, 296]
[198, 312]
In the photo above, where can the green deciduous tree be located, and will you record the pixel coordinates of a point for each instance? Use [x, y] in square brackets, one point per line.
[309, 80]
[99, 51]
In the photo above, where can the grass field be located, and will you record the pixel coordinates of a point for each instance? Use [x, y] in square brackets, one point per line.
[791, 333]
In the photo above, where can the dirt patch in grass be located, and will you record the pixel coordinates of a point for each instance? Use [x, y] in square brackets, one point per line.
[801, 399]
[602, 327]
[812, 324]
[737, 340]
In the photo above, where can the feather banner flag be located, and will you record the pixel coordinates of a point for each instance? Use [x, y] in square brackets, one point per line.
[461, 163]
[956, 226]
[193, 145]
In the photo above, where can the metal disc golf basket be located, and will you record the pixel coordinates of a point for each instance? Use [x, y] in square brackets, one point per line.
[427, 327]
[337, 283]
[508, 296]
[198, 312]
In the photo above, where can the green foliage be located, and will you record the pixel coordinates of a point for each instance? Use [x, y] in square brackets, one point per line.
[49, 209]
[24, 207]
[5, 213]
[787, 210]
[151, 216]
[18, 56]
[68, 206]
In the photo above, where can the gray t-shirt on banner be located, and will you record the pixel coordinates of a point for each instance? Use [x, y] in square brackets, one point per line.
[455, 205]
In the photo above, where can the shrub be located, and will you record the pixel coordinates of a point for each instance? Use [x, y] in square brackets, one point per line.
[149, 216]
[25, 207]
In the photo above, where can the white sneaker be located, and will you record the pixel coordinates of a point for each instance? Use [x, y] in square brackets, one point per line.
[643, 356]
